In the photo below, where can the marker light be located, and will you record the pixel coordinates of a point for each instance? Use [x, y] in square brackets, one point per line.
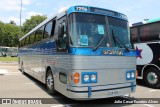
[136, 73]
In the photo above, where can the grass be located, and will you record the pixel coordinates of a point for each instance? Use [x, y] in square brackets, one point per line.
[8, 59]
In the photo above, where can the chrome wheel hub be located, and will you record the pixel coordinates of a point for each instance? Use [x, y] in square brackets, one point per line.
[152, 78]
[49, 81]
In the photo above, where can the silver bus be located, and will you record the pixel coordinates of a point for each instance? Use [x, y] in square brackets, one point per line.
[3, 51]
[8, 51]
[82, 52]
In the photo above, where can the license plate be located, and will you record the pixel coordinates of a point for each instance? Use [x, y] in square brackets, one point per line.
[113, 92]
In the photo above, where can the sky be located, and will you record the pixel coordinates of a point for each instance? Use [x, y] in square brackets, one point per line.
[136, 10]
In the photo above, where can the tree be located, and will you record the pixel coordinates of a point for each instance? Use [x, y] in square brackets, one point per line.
[31, 23]
[10, 32]
[12, 22]
[10, 37]
[1, 32]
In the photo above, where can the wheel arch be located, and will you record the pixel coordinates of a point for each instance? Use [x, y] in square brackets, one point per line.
[147, 67]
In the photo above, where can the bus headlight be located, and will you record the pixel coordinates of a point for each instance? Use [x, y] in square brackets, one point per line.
[89, 77]
[130, 75]
[93, 77]
[86, 78]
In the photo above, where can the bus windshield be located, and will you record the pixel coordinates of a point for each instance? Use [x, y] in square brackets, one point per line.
[86, 30]
[121, 31]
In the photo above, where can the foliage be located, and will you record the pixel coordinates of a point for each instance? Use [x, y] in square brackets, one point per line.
[9, 59]
[10, 32]
[32, 23]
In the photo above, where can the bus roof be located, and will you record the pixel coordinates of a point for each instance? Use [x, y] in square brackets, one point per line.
[153, 20]
[84, 9]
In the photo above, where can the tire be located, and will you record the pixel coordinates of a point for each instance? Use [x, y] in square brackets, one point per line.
[152, 78]
[50, 82]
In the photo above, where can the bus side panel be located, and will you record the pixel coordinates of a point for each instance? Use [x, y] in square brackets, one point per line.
[62, 68]
[147, 54]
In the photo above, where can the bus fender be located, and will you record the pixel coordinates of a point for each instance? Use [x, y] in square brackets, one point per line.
[149, 66]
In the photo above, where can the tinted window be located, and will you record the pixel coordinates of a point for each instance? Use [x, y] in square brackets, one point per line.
[48, 29]
[121, 31]
[86, 29]
[22, 42]
[134, 34]
[62, 39]
[27, 40]
[39, 34]
[150, 32]
[32, 36]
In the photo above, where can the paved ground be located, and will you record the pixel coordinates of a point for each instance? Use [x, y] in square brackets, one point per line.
[13, 84]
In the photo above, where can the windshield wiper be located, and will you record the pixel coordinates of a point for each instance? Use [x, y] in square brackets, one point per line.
[119, 42]
[99, 43]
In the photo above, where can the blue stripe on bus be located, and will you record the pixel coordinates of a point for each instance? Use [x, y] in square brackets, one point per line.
[111, 52]
[49, 48]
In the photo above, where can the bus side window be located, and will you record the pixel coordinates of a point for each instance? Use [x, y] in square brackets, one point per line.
[150, 32]
[49, 29]
[53, 27]
[134, 35]
[39, 34]
[27, 40]
[62, 38]
[22, 42]
[32, 37]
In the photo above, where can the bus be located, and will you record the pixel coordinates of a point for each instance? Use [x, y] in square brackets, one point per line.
[13, 52]
[82, 52]
[146, 40]
[8, 51]
[3, 51]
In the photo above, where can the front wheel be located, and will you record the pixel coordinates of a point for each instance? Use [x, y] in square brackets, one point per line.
[152, 78]
[50, 82]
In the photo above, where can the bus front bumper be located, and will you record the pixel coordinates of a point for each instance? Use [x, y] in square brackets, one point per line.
[96, 92]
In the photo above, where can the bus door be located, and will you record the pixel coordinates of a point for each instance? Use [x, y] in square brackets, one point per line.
[62, 56]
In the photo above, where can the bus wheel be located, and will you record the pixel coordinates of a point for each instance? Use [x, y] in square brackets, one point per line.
[152, 78]
[50, 82]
